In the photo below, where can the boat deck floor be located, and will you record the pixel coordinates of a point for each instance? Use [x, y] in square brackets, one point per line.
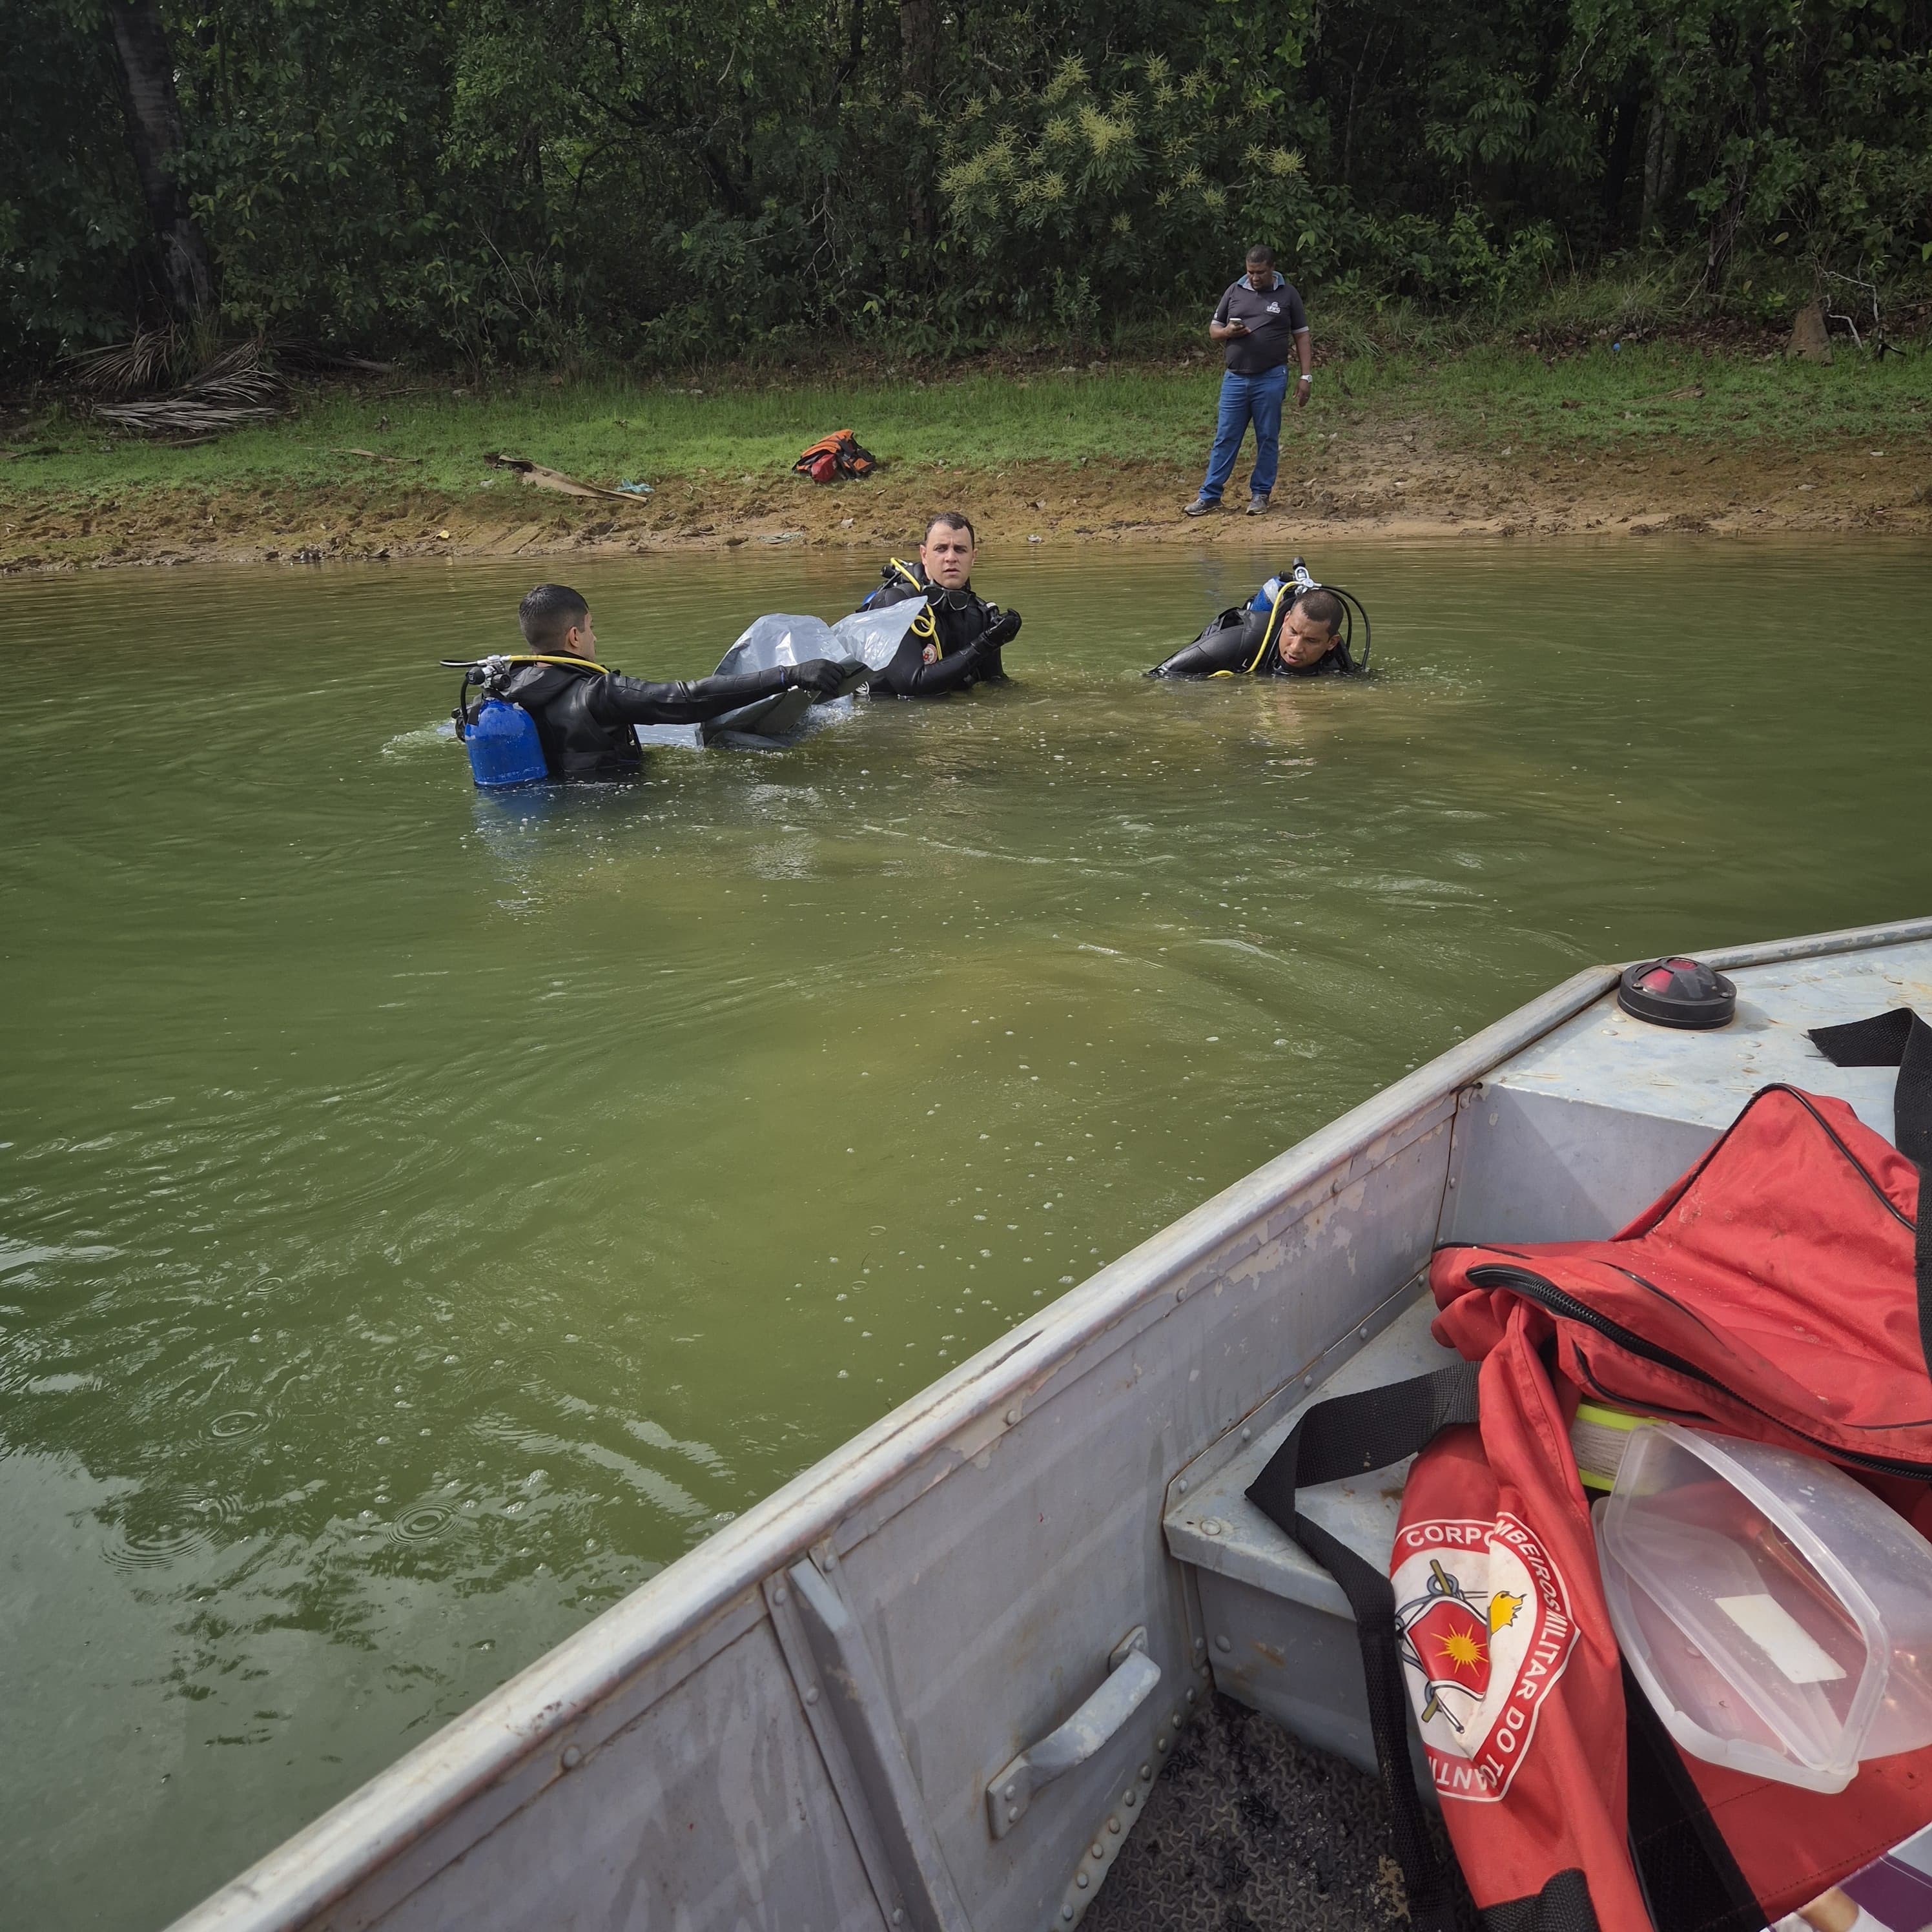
[1248, 1830]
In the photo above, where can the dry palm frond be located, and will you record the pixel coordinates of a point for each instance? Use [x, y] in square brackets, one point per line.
[124, 369]
[172, 416]
[235, 387]
[311, 359]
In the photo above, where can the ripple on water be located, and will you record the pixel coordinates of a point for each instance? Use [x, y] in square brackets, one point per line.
[153, 1533]
[423, 1524]
[236, 1423]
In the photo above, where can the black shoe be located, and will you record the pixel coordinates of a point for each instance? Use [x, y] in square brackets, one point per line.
[1202, 506]
[1258, 506]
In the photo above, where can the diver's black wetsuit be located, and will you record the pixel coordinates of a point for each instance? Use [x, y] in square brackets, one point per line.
[583, 718]
[955, 651]
[1227, 645]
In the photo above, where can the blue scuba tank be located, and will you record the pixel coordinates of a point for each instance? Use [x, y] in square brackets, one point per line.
[503, 746]
[1296, 575]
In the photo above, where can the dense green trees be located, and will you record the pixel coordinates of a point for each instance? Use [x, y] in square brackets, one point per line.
[517, 179]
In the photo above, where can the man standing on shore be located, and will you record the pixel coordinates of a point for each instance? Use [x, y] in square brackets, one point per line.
[1260, 319]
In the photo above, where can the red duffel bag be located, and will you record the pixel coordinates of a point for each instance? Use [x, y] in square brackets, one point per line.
[1781, 1291]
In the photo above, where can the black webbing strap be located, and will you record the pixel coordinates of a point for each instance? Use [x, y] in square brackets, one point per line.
[1691, 1883]
[1346, 1436]
[1563, 1905]
[1902, 1039]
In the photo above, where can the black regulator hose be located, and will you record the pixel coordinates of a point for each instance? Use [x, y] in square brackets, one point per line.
[473, 672]
[1351, 608]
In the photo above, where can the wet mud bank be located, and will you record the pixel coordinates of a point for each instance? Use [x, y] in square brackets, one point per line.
[1400, 484]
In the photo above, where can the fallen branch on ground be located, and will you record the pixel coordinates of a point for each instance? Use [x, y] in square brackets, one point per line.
[554, 479]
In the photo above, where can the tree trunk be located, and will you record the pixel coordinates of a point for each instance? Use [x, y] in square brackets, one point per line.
[1659, 148]
[1724, 231]
[918, 54]
[919, 45]
[1660, 169]
[1349, 118]
[1616, 165]
[155, 138]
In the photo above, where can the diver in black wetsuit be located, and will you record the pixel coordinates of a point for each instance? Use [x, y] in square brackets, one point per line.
[1304, 640]
[583, 713]
[955, 641]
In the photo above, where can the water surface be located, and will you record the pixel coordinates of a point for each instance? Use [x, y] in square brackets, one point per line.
[423, 1216]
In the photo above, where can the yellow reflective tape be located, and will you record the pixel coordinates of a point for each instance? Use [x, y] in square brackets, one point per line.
[1598, 1436]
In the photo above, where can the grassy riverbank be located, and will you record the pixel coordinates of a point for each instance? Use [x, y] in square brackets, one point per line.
[1497, 435]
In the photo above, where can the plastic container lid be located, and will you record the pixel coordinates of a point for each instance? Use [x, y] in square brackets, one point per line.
[1778, 1615]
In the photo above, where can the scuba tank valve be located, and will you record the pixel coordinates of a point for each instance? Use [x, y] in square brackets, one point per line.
[1297, 576]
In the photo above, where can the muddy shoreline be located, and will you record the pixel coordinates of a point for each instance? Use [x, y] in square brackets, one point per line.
[1399, 484]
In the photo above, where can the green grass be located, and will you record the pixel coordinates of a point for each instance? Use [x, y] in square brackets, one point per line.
[608, 429]
[1645, 391]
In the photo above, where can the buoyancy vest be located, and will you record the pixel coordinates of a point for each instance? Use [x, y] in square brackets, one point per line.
[558, 694]
[1241, 642]
[951, 620]
[1780, 1291]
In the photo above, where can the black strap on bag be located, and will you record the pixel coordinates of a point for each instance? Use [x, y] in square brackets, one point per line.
[1690, 1882]
[1346, 1436]
[1902, 1039]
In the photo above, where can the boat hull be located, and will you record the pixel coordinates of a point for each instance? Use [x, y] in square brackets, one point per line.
[798, 1723]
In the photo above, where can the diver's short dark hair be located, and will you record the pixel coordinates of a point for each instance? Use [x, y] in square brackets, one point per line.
[953, 519]
[1323, 607]
[1261, 253]
[547, 612]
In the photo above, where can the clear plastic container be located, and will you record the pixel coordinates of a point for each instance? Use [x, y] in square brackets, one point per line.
[1778, 1615]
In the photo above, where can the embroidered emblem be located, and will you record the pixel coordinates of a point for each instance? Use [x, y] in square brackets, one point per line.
[1483, 1622]
[930, 655]
[1274, 308]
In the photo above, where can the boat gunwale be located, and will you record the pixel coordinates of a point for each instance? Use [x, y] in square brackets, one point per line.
[400, 1805]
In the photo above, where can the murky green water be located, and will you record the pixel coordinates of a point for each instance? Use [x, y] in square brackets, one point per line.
[422, 1217]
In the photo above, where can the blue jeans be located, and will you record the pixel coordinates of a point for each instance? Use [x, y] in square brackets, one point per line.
[1243, 397]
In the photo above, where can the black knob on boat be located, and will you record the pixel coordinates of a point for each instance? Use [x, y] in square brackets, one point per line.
[1677, 992]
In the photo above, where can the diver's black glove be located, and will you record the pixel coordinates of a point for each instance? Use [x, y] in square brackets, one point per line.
[819, 676]
[1004, 628]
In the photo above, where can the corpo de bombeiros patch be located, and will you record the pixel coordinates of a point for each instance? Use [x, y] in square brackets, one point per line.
[1484, 1625]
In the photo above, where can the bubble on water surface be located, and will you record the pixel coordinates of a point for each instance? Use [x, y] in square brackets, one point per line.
[405, 743]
